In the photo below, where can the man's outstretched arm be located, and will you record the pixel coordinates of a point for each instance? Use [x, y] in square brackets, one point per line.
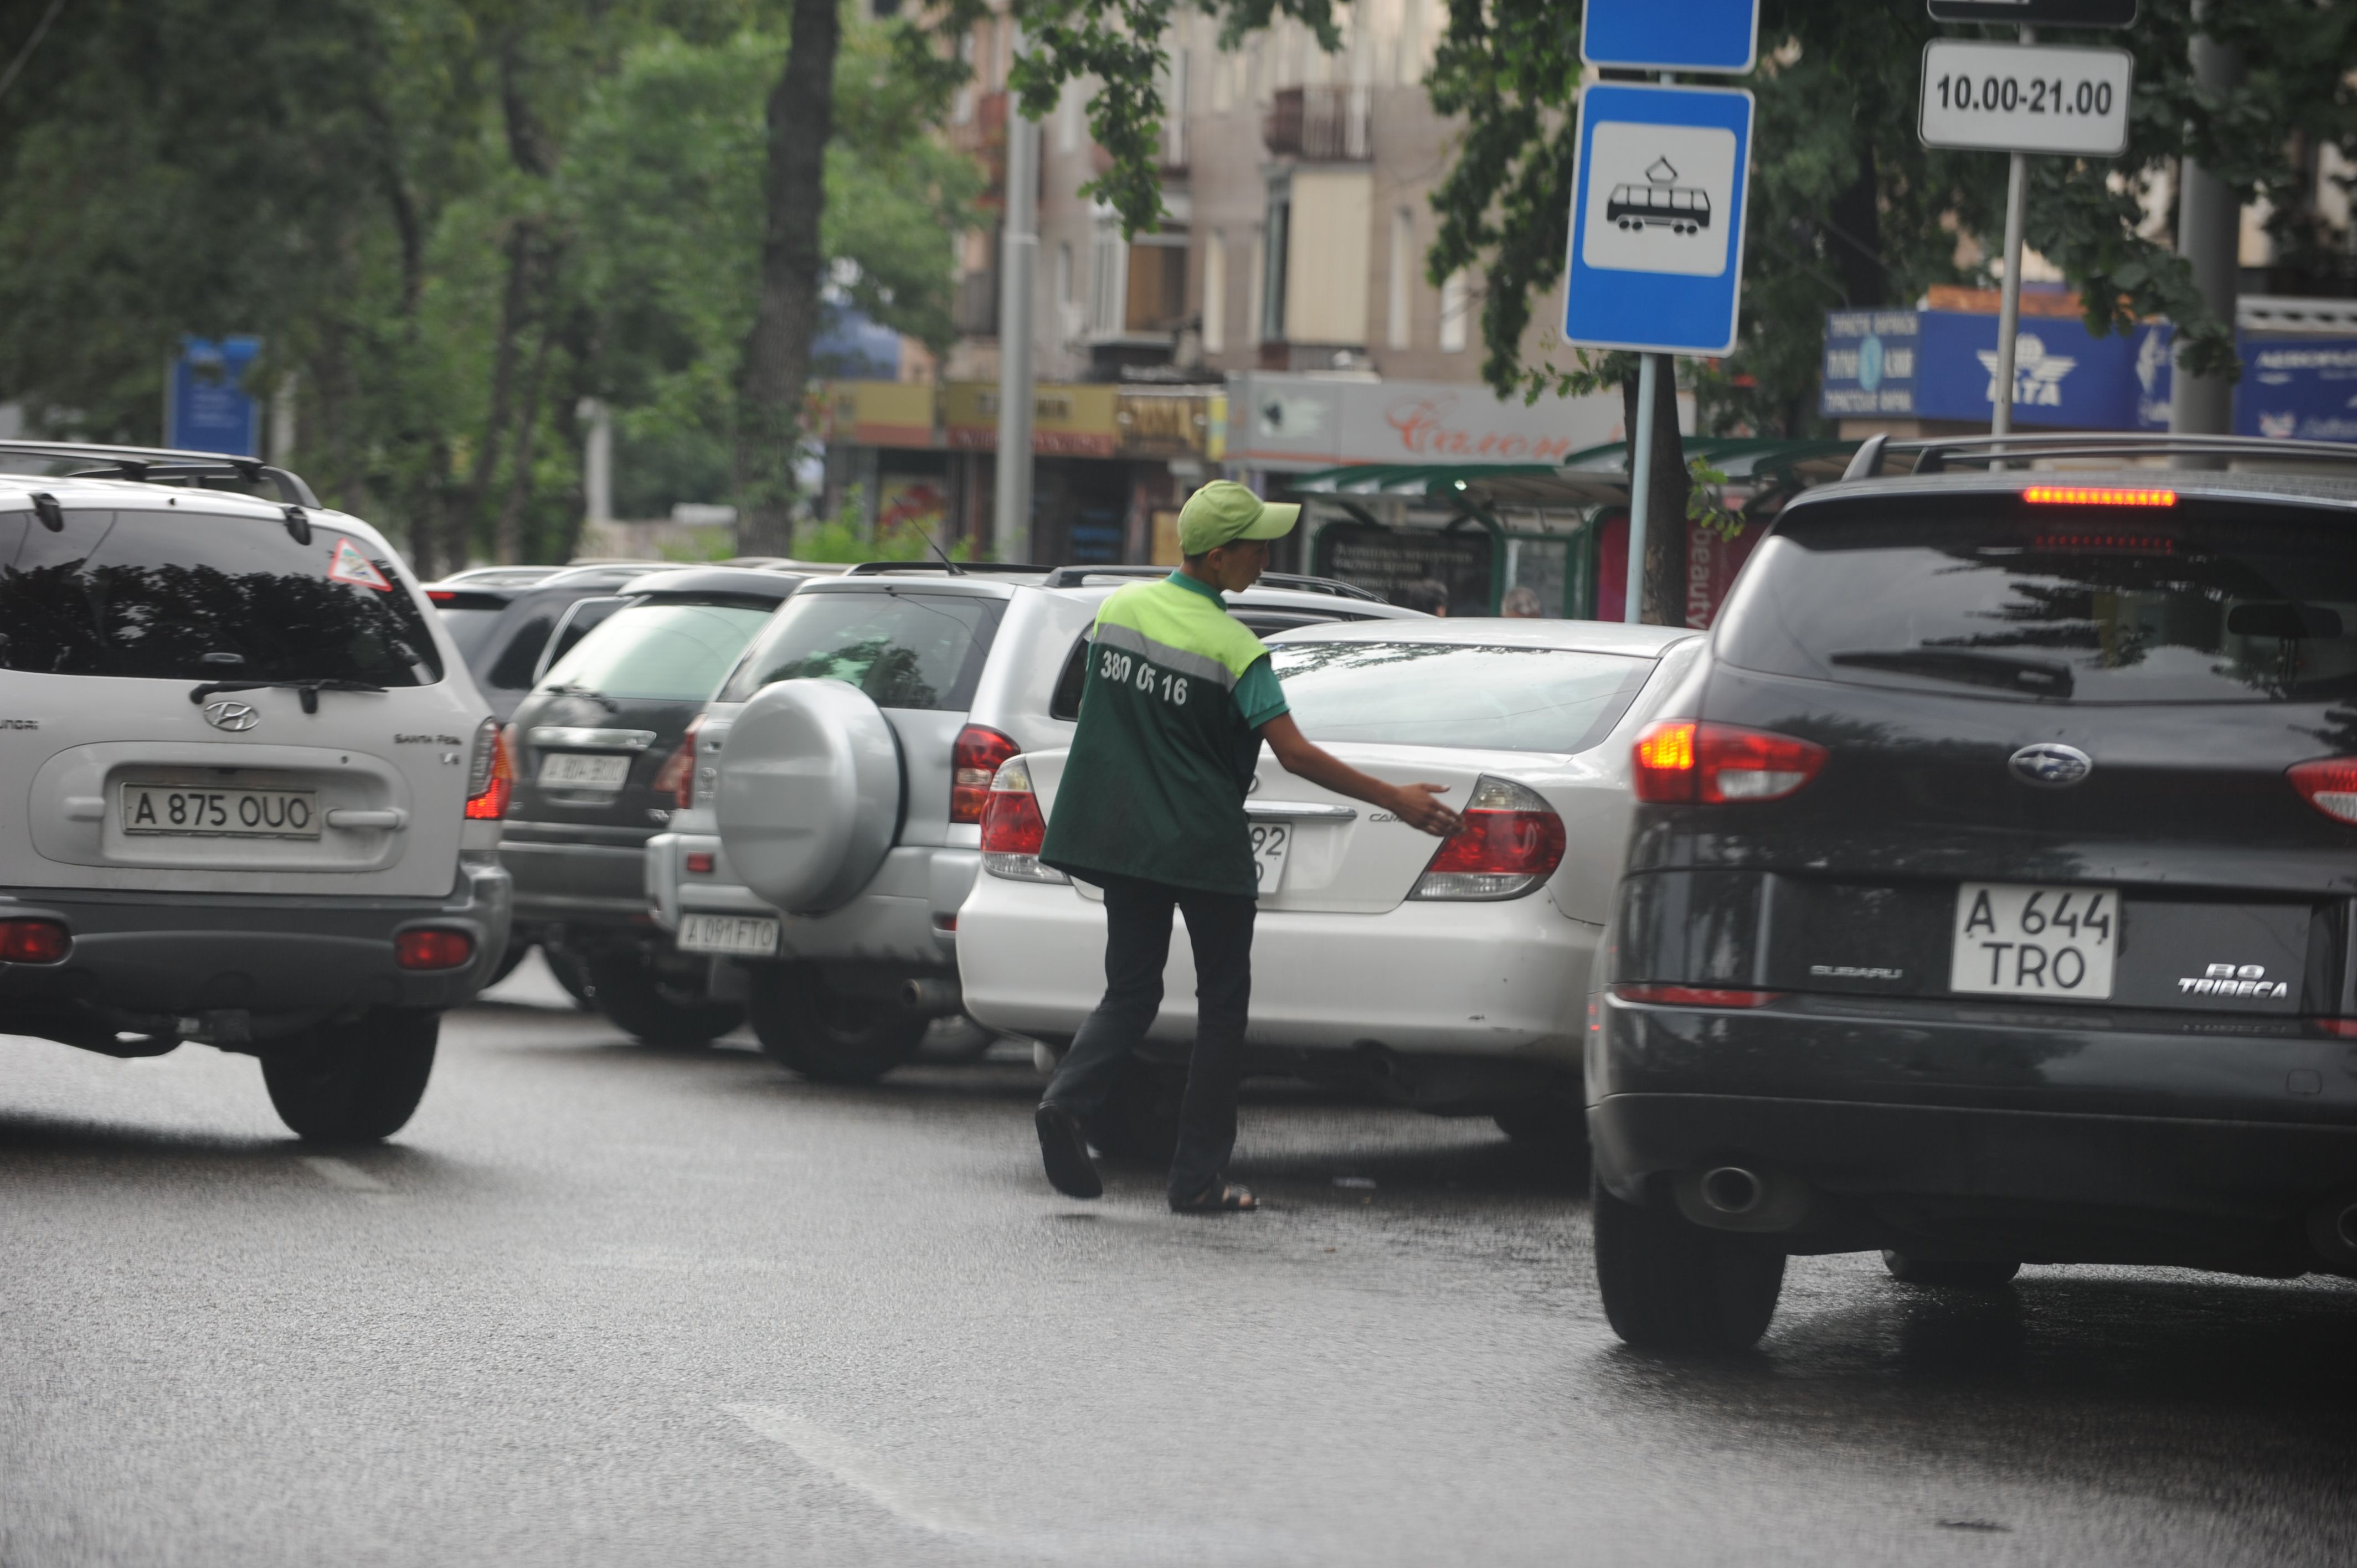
[1415, 804]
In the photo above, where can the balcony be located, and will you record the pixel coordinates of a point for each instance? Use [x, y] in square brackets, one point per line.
[1321, 124]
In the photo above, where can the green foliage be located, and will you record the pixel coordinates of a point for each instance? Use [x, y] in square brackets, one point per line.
[844, 537]
[1707, 500]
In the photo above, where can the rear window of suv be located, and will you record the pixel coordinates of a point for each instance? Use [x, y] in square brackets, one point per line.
[904, 649]
[2206, 600]
[186, 595]
[675, 652]
[1457, 694]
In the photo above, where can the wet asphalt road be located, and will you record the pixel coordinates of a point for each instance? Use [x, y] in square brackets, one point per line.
[600, 1305]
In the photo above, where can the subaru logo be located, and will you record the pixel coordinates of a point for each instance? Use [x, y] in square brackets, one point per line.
[2050, 766]
[232, 715]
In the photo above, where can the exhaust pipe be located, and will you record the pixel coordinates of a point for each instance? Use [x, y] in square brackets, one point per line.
[933, 998]
[2332, 1230]
[1733, 1191]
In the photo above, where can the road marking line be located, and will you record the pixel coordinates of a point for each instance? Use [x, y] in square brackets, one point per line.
[343, 1174]
[857, 1467]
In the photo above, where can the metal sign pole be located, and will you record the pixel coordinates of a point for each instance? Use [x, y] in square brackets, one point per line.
[1641, 484]
[1018, 245]
[2008, 315]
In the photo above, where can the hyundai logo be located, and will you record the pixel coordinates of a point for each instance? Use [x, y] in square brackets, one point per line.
[232, 715]
[2050, 766]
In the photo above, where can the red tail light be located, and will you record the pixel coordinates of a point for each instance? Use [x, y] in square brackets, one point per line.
[1512, 841]
[1693, 996]
[975, 761]
[1681, 763]
[700, 863]
[1012, 828]
[442, 596]
[2329, 784]
[433, 949]
[2346, 1028]
[676, 777]
[491, 779]
[33, 942]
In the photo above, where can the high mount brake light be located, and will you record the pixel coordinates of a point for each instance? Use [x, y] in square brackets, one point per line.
[1511, 842]
[2088, 495]
[676, 777]
[492, 778]
[33, 942]
[1683, 763]
[2110, 543]
[1012, 828]
[1694, 996]
[975, 760]
[2329, 784]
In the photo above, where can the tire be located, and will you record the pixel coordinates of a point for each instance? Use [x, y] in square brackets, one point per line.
[353, 1083]
[1953, 1274]
[1139, 1121]
[1669, 1285]
[829, 1036]
[571, 973]
[518, 950]
[628, 986]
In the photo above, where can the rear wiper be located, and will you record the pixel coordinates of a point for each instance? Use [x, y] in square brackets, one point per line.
[600, 698]
[2038, 677]
[309, 690]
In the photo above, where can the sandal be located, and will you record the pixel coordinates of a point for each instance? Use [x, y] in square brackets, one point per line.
[1217, 1199]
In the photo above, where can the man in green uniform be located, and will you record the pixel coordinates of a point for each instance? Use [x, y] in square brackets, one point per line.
[1178, 697]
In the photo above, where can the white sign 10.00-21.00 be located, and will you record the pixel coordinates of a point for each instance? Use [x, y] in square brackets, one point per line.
[2018, 98]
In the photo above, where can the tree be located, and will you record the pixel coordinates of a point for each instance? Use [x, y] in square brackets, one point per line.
[1847, 208]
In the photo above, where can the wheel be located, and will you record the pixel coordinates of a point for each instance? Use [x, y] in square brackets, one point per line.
[518, 950]
[829, 1036]
[1956, 1273]
[572, 972]
[353, 1083]
[1672, 1285]
[630, 987]
[1545, 1124]
[1139, 1121]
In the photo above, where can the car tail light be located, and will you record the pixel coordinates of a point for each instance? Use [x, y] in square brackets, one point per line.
[433, 949]
[676, 777]
[1512, 841]
[442, 596]
[2090, 495]
[1012, 828]
[33, 942]
[1682, 762]
[2346, 1028]
[975, 761]
[1694, 996]
[2329, 785]
[490, 778]
[700, 863]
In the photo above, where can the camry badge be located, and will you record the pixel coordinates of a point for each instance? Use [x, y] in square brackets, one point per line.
[2050, 766]
[232, 715]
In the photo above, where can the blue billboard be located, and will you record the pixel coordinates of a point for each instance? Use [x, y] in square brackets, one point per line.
[2299, 389]
[205, 406]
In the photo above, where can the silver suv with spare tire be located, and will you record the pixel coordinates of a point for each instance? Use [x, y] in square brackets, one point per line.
[830, 821]
[255, 795]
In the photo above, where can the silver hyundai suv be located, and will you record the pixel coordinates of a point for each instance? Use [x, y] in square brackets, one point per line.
[830, 822]
[253, 796]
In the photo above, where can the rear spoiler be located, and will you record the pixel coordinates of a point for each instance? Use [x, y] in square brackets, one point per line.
[1937, 452]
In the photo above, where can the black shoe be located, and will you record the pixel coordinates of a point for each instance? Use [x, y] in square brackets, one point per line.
[1065, 1153]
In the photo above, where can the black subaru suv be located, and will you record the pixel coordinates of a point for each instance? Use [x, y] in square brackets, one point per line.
[599, 769]
[1992, 896]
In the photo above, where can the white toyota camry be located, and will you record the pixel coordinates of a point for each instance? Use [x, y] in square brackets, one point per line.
[1451, 978]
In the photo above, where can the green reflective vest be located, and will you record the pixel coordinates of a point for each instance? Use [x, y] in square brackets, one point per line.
[1171, 712]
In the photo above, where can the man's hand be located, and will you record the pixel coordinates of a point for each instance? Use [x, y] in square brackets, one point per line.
[1412, 804]
[1416, 806]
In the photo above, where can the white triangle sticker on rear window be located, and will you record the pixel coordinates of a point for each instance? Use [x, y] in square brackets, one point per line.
[349, 565]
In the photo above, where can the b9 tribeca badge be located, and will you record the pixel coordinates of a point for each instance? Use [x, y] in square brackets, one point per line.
[2234, 980]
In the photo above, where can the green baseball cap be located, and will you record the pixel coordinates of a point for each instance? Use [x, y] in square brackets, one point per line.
[1223, 512]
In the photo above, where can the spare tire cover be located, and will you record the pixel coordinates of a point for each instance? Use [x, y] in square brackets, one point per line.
[810, 794]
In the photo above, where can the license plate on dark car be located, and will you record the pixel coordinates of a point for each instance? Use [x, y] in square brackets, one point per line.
[2016, 939]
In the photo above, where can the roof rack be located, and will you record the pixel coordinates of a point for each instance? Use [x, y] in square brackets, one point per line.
[145, 464]
[958, 569]
[1934, 453]
[1074, 576]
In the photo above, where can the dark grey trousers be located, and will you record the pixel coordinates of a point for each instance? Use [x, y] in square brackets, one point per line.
[1137, 945]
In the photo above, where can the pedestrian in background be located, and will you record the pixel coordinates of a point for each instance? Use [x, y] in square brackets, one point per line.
[1521, 602]
[1179, 696]
[1429, 595]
